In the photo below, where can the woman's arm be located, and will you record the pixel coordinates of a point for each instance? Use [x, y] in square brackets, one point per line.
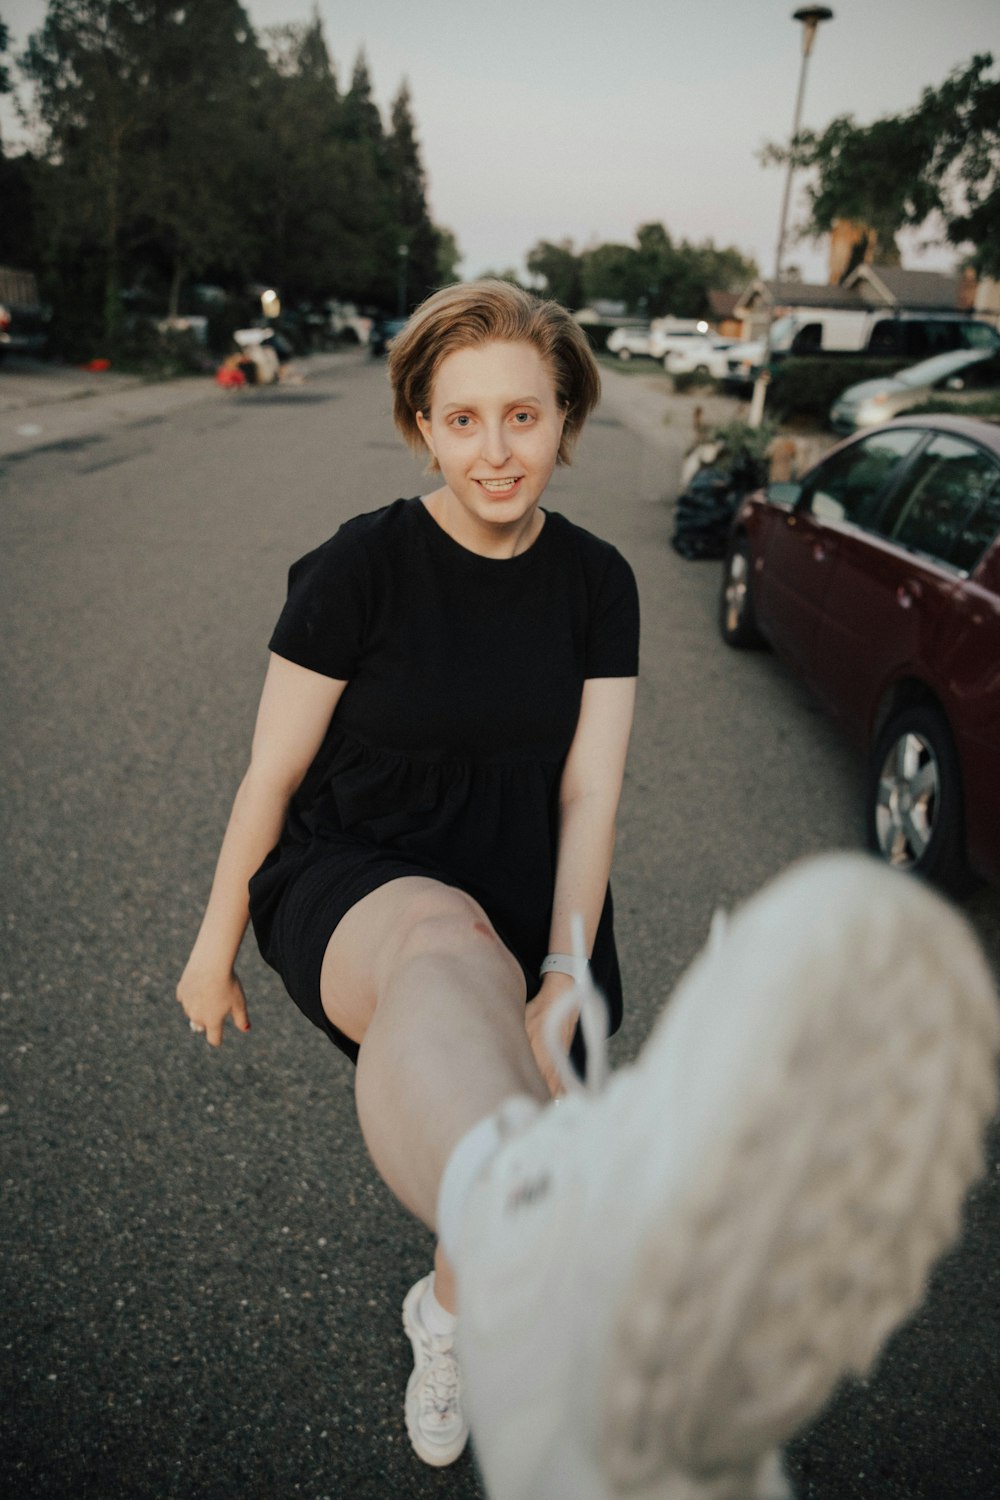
[588, 804]
[296, 706]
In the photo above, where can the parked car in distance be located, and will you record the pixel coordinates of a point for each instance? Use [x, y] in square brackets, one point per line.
[24, 321]
[962, 374]
[877, 579]
[875, 335]
[664, 342]
[383, 331]
[625, 342]
[707, 356]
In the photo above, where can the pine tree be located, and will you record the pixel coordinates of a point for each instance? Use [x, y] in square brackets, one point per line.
[416, 232]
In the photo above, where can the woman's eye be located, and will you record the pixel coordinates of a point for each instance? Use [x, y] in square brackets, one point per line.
[522, 418]
[462, 420]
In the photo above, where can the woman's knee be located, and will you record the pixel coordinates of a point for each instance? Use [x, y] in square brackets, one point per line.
[444, 923]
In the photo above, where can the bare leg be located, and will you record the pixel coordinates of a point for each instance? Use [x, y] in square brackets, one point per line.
[417, 975]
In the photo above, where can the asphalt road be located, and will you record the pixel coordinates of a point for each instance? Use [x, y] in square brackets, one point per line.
[202, 1277]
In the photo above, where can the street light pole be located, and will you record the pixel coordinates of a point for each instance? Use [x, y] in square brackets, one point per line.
[404, 257]
[810, 17]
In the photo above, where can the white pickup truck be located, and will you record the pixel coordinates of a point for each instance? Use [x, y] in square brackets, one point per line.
[875, 333]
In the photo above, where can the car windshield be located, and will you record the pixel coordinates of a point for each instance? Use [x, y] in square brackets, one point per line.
[782, 328]
[942, 365]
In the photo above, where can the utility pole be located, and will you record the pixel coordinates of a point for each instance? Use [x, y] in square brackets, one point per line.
[810, 17]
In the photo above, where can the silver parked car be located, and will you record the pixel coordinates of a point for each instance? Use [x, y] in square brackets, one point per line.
[959, 372]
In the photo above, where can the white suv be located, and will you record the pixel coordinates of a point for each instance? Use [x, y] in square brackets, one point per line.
[628, 341]
[699, 356]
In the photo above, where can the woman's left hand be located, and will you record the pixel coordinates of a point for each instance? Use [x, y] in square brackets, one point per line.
[553, 986]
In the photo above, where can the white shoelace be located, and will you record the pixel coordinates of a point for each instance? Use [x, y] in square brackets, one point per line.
[441, 1381]
[584, 999]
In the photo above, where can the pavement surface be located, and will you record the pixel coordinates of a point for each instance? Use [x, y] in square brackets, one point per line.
[202, 1277]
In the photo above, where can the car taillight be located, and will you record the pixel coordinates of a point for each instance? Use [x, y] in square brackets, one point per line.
[4, 320]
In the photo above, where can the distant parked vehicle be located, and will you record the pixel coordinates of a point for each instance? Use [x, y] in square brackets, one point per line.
[384, 330]
[625, 342]
[882, 335]
[699, 356]
[24, 322]
[343, 321]
[877, 579]
[962, 374]
[670, 334]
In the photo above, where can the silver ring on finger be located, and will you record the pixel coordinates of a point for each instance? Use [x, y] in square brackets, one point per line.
[200, 1030]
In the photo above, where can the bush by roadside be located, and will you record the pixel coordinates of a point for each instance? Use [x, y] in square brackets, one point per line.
[803, 387]
[984, 406]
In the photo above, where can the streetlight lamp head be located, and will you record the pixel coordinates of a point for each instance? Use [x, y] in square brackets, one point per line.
[811, 16]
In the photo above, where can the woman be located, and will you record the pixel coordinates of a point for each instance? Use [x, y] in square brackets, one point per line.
[435, 773]
[661, 1280]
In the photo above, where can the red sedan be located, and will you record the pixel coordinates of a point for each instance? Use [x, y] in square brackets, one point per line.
[877, 578]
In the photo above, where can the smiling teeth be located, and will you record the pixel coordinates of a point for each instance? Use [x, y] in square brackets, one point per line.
[498, 485]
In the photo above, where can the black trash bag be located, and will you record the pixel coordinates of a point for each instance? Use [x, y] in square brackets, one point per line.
[706, 508]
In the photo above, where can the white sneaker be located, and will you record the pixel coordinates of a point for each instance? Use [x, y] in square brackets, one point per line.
[659, 1284]
[434, 1418]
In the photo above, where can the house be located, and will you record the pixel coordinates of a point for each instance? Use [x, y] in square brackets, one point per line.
[866, 289]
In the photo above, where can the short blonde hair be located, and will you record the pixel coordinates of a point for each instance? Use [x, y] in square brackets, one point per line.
[472, 313]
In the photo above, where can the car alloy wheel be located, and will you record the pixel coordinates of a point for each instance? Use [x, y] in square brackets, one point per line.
[914, 809]
[736, 613]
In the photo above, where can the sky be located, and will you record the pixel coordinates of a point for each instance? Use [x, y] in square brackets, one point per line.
[582, 119]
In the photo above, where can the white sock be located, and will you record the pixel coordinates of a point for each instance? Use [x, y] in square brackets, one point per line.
[436, 1319]
[465, 1163]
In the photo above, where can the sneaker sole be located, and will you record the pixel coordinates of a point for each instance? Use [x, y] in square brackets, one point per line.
[831, 1140]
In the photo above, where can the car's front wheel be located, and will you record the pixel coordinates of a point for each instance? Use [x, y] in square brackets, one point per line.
[737, 620]
[914, 798]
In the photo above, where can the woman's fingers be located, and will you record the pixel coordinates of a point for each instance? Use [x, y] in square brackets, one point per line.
[207, 1006]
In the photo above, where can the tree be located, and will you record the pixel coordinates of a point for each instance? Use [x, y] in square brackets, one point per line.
[416, 231]
[4, 70]
[139, 106]
[652, 278]
[560, 269]
[939, 161]
[449, 256]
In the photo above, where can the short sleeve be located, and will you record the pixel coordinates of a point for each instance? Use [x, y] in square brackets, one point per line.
[322, 625]
[613, 627]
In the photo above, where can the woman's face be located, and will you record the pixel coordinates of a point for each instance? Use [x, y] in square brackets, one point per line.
[494, 427]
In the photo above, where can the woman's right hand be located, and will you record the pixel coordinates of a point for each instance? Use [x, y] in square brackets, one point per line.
[207, 999]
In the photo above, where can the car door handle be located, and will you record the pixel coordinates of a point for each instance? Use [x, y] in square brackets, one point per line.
[907, 593]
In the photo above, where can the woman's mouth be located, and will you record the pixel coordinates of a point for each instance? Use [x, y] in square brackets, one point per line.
[500, 486]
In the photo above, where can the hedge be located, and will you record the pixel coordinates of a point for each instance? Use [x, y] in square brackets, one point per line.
[809, 386]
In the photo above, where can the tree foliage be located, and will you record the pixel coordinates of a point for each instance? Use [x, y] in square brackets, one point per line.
[654, 277]
[938, 162]
[175, 144]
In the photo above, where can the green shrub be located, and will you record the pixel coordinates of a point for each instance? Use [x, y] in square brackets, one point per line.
[809, 387]
[690, 380]
[743, 455]
[983, 406]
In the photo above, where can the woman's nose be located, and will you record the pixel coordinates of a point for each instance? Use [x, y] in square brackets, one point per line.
[496, 447]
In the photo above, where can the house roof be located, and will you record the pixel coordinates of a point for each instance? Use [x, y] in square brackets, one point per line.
[892, 286]
[722, 305]
[800, 294]
[865, 288]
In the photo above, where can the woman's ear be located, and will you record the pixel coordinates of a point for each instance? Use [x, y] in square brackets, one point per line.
[424, 428]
